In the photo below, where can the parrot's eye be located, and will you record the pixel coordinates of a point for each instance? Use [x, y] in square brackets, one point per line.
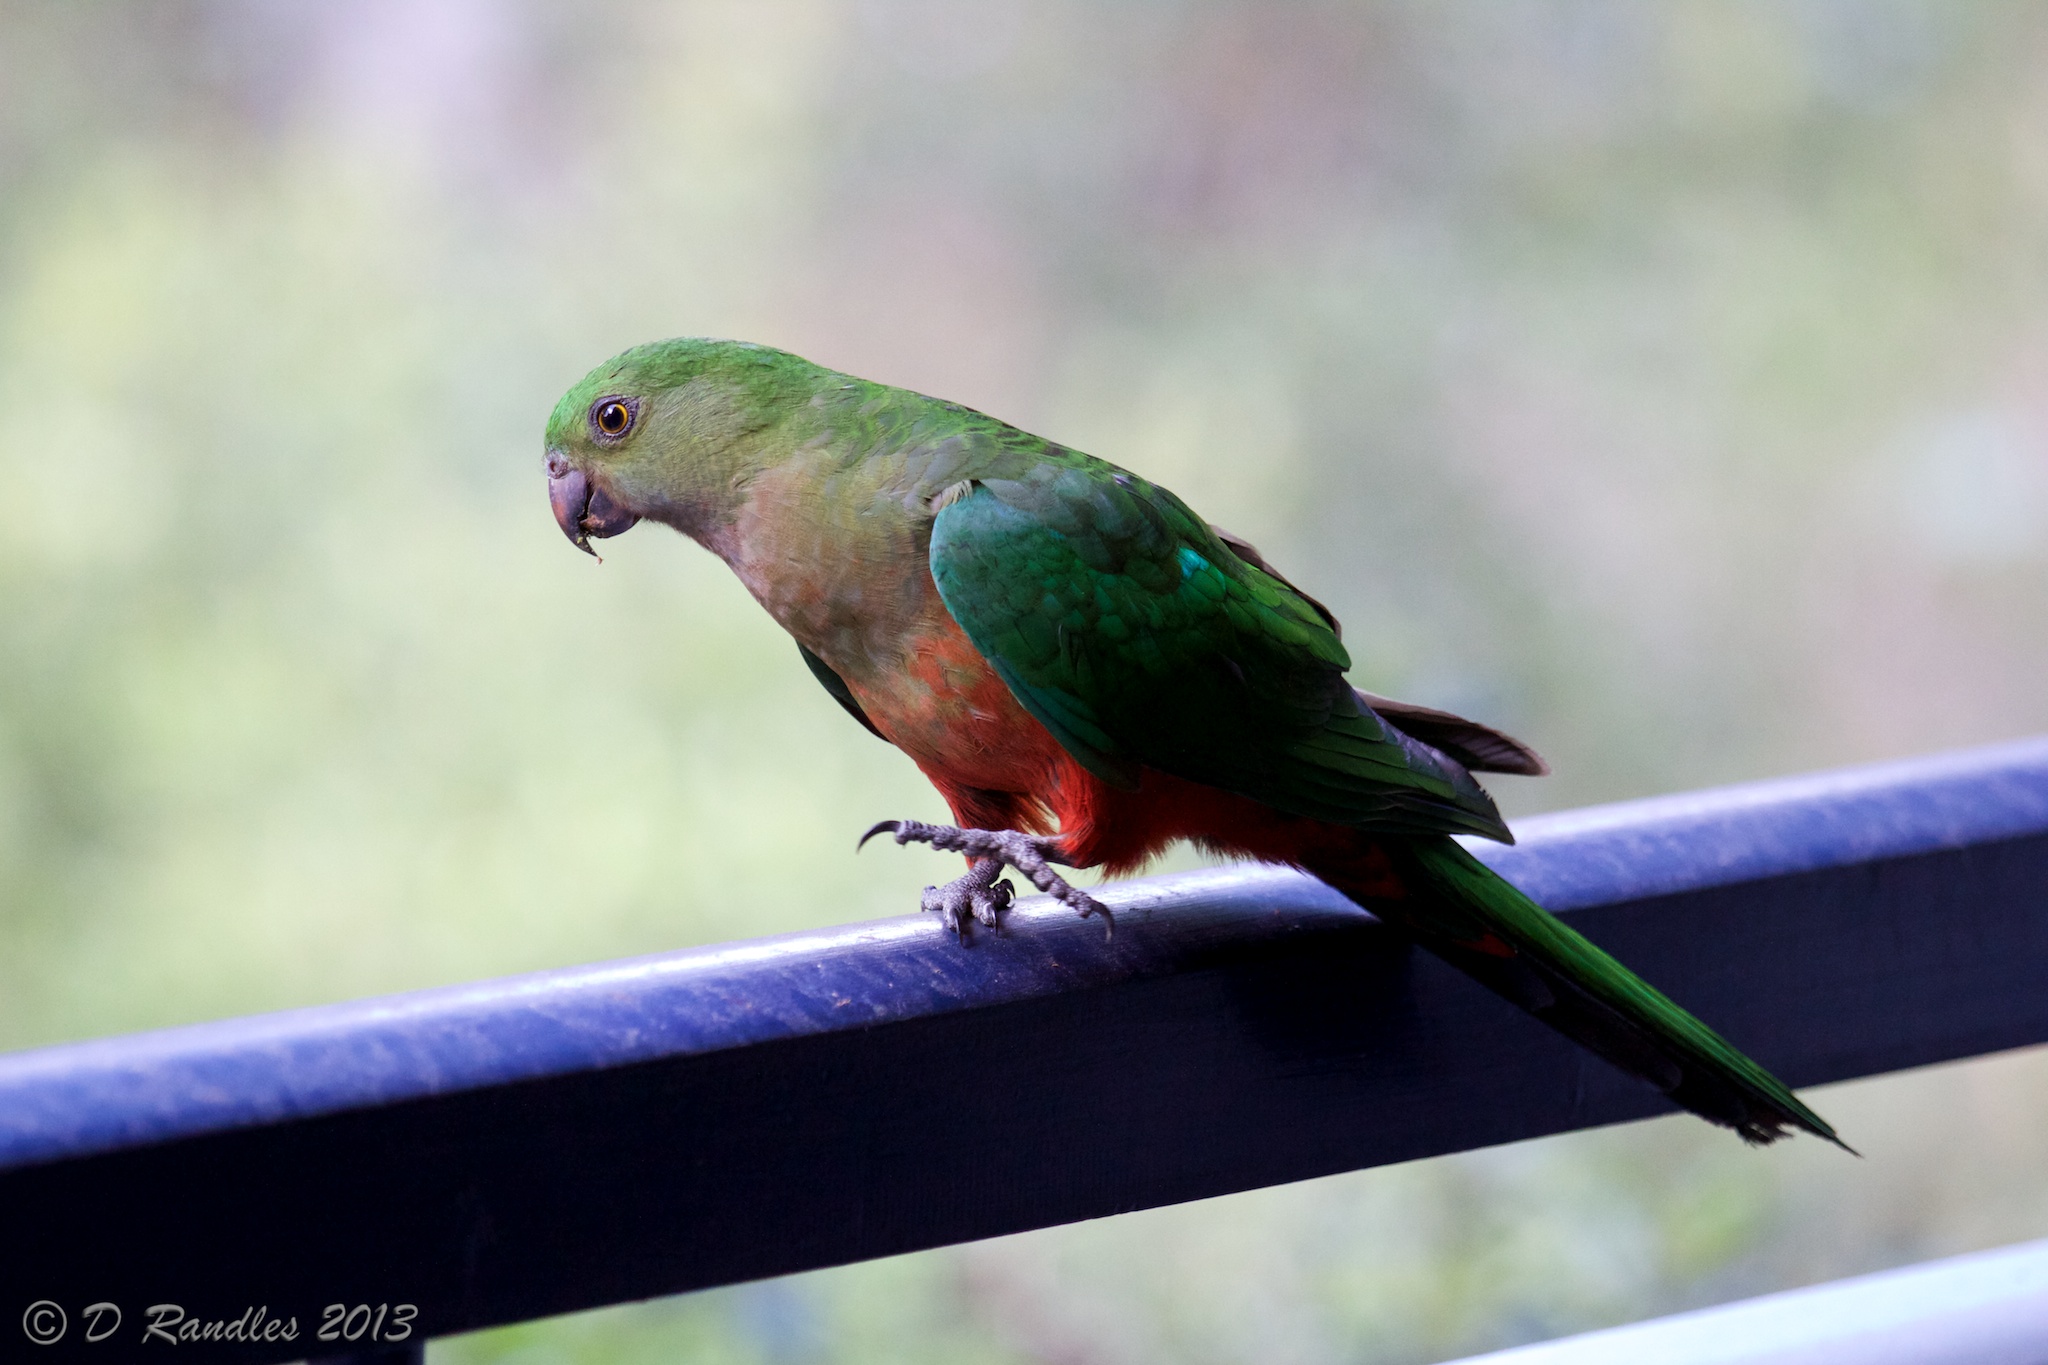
[612, 417]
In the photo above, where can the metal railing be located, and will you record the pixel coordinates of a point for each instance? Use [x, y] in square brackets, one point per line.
[376, 1173]
[1986, 1308]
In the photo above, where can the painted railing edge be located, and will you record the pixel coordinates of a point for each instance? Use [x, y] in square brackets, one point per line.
[169, 1084]
[1979, 1308]
[1665, 845]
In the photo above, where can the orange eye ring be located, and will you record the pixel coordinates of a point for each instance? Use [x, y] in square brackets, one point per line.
[611, 418]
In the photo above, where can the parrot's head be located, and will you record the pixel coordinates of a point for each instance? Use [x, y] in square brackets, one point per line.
[662, 431]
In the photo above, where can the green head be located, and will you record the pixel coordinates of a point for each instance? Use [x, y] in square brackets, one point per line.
[669, 430]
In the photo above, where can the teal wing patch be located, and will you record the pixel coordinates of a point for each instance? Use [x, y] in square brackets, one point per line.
[1138, 638]
[836, 685]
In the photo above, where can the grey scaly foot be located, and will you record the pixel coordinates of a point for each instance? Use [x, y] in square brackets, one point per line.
[978, 893]
[992, 849]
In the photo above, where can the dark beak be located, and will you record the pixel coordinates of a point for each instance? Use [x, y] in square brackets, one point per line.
[581, 509]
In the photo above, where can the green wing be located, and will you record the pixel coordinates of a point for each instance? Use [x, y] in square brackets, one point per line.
[841, 693]
[1138, 638]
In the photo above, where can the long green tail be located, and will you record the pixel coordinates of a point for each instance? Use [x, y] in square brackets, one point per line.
[1478, 922]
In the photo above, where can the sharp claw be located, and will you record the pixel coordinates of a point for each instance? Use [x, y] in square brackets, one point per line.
[1086, 906]
[945, 902]
[881, 827]
[991, 901]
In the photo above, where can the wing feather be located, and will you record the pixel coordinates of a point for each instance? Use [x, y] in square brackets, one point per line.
[1139, 637]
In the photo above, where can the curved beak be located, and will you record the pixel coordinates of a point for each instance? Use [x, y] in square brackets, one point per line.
[582, 509]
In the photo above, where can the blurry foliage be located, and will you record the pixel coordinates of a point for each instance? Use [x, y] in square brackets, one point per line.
[1666, 383]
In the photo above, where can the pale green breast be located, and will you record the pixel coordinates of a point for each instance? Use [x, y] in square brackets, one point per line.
[837, 554]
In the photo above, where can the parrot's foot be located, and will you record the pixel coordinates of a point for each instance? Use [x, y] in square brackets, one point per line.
[979, 893]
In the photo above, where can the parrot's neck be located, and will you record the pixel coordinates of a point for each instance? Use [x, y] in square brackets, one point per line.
[833, 545]
[836, 557]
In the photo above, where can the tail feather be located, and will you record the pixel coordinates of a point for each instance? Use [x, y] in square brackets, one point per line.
[1461, 910]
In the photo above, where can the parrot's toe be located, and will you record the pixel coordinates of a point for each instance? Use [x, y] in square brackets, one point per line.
[978, 894]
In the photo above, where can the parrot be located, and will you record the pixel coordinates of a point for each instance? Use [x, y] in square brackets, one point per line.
[1089, 672]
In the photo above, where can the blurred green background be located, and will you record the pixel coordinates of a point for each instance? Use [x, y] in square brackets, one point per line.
[1668, 384]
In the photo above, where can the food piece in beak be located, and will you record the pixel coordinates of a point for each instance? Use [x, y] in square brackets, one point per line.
[583, 509]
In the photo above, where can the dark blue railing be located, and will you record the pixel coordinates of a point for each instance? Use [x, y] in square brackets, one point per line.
[401, 1168]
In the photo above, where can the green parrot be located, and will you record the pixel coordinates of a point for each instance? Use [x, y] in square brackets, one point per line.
[1088, 671]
